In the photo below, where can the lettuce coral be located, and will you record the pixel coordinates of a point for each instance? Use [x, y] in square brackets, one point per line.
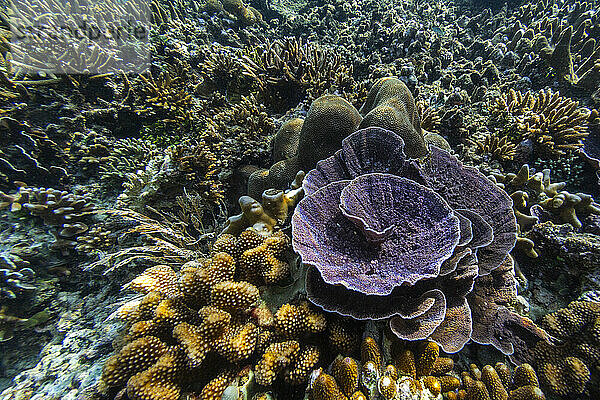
[386, 237]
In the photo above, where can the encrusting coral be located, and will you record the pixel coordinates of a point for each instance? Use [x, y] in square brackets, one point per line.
[567, 366]
[348, 229]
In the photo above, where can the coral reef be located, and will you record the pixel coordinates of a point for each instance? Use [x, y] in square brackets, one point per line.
[287, 70]
[188, 317]
[358, 228]
[553, 123]
[219, 99]
[65, 211]
[330, 119]
[537, 199]
[417, 371]
[28, 154]
[272, 212]
[566, 367]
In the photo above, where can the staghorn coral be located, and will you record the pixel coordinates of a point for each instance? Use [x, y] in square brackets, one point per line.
[565, 367]
[80, 54]
[430, 118]
[553, 123]
[287, 70]
[349, 234]
[164, 97]
[501, 149]
[111, 159]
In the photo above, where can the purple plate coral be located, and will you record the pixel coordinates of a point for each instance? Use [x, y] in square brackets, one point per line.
[416, 242]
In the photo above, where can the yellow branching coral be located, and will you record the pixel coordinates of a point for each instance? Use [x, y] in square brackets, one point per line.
[159, 278]
[234, 295]
[132, 359]
[417, 371]
[262, 260]
[501, 149]
[238, 342]
[565, 368]
[159, 382]
[554, 123]
[346, 373]
[202, 311]
[276, 357]
[196, 282]
[297, 373]
[197, 341]
[343, 337]
[299, 320]
[214, 389]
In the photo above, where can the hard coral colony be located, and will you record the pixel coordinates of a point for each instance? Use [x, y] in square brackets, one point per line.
[306, 200]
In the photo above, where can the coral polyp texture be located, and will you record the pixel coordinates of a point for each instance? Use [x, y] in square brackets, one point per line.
[566, 368]
[425, 245]
[203, 312]
[416, 371]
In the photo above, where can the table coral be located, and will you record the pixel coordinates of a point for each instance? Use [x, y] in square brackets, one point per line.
[341, 237]
[66, 212]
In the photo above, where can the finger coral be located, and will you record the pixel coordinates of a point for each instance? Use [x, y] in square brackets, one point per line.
[431, 377]
[65, 211]
[362, 230]
[536, 199]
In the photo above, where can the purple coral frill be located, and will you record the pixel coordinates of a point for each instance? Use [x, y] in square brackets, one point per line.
[375, 232]
[388, 237]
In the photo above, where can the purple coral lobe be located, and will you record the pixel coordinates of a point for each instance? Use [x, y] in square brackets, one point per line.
[387, 231]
